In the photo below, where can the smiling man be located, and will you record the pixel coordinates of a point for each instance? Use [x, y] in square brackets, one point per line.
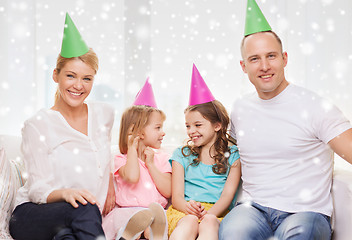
[264, 62]
[286, 137]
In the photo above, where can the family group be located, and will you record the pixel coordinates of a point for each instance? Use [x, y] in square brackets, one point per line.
[277, 145]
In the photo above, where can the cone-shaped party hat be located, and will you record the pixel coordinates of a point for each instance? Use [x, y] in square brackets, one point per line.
[255, 20]
[145, 96]
[200, 92]
[72, 43]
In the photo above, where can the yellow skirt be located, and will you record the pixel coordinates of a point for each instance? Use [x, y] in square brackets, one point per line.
[173, 216]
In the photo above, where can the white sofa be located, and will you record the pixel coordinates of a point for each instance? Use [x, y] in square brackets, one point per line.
[14, 177]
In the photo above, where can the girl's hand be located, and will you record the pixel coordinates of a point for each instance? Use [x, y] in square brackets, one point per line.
[193, 208]
[133, 142]
[83, 196]
[203, 213]
[109, 203]
[110, 198]
[149, 155]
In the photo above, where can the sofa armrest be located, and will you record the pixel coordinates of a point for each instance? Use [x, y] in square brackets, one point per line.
[342, 198]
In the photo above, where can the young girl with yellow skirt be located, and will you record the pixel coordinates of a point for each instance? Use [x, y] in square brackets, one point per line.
[206, 172]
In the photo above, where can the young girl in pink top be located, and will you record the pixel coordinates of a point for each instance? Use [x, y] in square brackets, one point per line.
[142, 176]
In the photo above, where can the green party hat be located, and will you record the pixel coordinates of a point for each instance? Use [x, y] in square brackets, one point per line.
[255, 20]
[72, 43]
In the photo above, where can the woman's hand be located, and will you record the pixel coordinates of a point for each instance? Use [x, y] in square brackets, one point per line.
[83, 196]
[72, 196]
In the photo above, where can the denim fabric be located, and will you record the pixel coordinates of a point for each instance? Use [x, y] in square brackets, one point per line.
[56, 221]
[250, 220]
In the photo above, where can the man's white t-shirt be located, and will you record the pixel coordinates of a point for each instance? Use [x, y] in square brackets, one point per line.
[286, 162]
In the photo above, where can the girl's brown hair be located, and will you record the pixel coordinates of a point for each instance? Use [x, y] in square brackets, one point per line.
[90, 58]
[133, 121]
[214, 112]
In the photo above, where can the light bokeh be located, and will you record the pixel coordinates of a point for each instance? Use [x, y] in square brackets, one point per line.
[162, 39]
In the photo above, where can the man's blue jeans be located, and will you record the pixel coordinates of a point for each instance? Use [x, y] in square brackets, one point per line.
[250, 220]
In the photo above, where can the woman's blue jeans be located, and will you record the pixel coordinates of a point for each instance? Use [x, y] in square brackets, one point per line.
[56, 221]
[250, 220]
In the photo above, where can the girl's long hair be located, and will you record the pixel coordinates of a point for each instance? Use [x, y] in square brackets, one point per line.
[214, 112]
[133, 121]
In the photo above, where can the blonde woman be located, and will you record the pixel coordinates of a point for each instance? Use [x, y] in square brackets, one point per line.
[67, 156]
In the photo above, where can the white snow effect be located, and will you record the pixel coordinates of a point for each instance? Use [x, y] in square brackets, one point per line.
[327, 2]
[142, 32]
[340, 68]
[315, 26]
[241, 133]
[330, 25]
[75, 151]
[78, 169]
[327, 105]
[5, 85]
[133, 88]
[177, 35]
[316, 161]
[283, 25]
[305, 194]
[307, 48]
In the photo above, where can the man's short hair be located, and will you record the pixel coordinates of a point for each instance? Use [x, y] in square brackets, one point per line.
[272, 32]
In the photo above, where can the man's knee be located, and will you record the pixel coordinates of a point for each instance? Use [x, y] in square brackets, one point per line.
[244, 222]
[230, 224]
[305, 225]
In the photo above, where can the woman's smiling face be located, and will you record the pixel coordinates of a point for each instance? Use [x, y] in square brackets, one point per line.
[75, 81]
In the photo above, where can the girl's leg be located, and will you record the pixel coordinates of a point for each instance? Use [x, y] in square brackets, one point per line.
[135, 225]
[159, 227]
[209, 227]
[117, 219]
[186, 228]
[45, 221]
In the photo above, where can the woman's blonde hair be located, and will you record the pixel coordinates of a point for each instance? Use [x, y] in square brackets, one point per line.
[90, 58]
[133, 121]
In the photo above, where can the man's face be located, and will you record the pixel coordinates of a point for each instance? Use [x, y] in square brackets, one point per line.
[264, 63]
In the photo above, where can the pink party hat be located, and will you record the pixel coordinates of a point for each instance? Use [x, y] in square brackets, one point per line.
[146, 96]
[200, 92]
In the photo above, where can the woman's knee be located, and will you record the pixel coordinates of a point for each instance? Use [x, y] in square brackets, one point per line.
[87, 221]
[89, 211]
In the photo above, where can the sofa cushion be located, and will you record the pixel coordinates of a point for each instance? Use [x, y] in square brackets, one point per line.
[10, 180]
[342, 196]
